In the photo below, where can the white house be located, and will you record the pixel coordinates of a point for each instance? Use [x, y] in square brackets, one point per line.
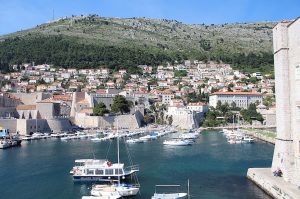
[242, 99]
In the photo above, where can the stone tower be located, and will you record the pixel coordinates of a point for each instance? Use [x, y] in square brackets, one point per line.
[286, 40]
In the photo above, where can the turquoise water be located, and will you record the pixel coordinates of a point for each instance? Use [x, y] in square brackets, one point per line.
[216, 170]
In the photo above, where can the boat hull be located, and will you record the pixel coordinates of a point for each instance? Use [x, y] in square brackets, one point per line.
[99, 178]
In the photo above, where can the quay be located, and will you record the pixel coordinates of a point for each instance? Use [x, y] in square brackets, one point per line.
[261, 135]
[274, 186]
[256, 132]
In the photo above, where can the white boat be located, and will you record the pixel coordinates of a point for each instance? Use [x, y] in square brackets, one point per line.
[248, 139]
[177, 142]
[177, 195]
[122, 190]
[131, 141]
[101, 197]
[100, 170]
[116, 189]
[27, 138]
[169, 195]
[4, 144]
[37, 136]
[56, 135]
[96, 139]
[189, 135]
[81, 135]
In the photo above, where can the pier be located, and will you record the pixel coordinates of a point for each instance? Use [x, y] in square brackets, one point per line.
[272, 185]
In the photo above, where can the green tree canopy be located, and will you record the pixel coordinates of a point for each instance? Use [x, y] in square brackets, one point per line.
[120, 105]
[251, 114]
[100, 109]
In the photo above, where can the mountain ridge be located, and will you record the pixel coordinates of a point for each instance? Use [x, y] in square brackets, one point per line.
[161, 37]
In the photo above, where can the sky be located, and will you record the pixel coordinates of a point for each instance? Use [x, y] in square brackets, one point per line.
[18, 15]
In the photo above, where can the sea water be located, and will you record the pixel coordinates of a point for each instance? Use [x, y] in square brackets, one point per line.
[216, 169]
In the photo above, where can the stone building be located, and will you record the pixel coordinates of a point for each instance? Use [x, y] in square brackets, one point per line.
[241, 99]
[287, 75]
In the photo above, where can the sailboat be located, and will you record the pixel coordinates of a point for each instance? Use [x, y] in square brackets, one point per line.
[116, 189]
[177, 195]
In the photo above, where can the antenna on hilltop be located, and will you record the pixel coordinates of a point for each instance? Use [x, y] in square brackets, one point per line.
[53, 14]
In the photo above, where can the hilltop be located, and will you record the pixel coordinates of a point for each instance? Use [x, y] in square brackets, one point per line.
[92, 41]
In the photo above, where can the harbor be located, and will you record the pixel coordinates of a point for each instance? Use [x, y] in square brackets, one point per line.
[215, 168]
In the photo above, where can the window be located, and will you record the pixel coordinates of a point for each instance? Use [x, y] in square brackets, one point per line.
[118, 171]
[90, 172]
[298, 112]
[297, 72]
[109, 172]
[99, 172]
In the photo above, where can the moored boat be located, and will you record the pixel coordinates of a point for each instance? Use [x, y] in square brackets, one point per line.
[4, 144]
[174, 195]
[189, 135]
[248, 139]
[177, 142]
[100, 170]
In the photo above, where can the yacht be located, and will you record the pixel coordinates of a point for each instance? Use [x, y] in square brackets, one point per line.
[96, 139]
[101, 197]
[100, 170]
[177, 142]
[189, 135]
[113, 190]
[177, 195]
[27, 138]
[131, 141]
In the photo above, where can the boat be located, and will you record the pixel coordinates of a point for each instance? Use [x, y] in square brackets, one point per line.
[96, 139]
[131, 141]
[177, 195]
[27, 138]
[189, 135]
[177, 142]
[101, 197]
[100, 170]
[122, 190]
[116, 189]
[4, 143]
[248, 139]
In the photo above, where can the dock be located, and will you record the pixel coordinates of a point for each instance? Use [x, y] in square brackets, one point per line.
[274, 186]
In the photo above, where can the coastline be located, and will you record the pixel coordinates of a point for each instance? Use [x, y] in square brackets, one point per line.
[263, 135]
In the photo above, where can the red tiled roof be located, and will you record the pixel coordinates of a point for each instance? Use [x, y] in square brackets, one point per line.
[197, 104]
[26, 107]
[62, 97]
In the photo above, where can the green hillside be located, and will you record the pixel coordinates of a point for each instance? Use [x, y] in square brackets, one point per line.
[93, 41]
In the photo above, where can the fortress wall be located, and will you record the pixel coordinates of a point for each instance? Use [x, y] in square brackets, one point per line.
[10, 124]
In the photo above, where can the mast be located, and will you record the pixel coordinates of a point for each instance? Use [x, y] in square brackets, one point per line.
[188, 188]
[118, 147]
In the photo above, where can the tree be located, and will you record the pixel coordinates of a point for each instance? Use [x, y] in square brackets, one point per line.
[268, 101]
[251, 114]
[180, 73]
[100, 109]
[233, 105]
[120, 105]
[170, 120]
[40, 81]
[24, 78]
